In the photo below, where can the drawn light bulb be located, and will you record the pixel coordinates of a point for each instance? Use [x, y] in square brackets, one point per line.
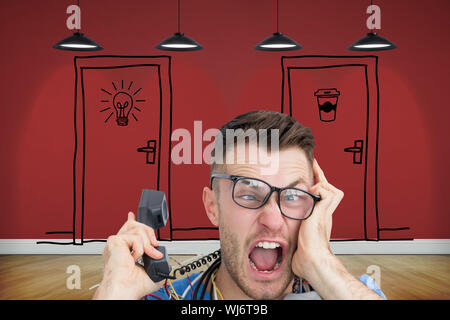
[123, 103]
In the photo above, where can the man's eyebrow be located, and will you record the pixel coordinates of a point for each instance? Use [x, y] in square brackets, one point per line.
[252, 183]
[294, 183]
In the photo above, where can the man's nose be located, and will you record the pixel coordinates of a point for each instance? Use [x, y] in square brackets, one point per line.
[271, 216]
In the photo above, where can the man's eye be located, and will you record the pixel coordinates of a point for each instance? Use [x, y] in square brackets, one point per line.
[291, 197]
[248, 197]
[294, 196]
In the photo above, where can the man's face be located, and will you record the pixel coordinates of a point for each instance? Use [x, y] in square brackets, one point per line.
[248, 236]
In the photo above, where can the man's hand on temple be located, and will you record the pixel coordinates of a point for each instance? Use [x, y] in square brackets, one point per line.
[313, 259]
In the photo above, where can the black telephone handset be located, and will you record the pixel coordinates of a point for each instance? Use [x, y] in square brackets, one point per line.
[153, 212]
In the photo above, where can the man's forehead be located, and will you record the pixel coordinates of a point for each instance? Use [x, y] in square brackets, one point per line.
[292, 165]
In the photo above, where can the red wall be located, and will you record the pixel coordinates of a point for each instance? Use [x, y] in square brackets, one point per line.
[225, 79]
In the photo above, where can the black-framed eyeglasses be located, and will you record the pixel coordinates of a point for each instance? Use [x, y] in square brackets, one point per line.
[253, 193]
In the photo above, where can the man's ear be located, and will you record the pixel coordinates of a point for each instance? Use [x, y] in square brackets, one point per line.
[211, 205]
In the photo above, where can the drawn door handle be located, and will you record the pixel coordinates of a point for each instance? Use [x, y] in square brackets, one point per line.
[357, 150]
[150, 150]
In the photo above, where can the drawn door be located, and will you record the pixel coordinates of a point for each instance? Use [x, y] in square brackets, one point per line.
[122, 140]
[333, 100]
[122, 113]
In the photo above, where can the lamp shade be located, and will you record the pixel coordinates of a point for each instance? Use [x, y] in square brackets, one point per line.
[372, 42]
[278, 42]
[78, 42]
[179, 42]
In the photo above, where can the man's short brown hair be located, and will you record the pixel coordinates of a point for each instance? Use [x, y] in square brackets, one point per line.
[291, 133]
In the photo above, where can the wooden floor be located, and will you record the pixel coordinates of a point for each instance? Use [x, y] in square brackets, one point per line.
[44, 276]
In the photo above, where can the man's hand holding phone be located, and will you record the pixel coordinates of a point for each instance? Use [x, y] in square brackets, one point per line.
[122, 278]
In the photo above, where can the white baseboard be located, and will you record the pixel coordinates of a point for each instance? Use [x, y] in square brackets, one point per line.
[417, 246]
[31, 246]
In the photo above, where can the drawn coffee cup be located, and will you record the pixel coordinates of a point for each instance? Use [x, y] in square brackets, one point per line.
[327, 100]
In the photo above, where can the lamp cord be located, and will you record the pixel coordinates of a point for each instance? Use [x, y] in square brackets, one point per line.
[178, 16]
[78, 5]
[277, 16]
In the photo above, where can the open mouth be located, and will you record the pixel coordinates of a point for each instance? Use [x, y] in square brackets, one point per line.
[266, 256]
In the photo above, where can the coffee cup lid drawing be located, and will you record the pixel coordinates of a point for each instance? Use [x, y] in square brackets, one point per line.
[327, 93]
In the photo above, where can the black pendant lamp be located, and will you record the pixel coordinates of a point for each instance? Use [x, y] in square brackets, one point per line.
[78, 42]
[278, 41]
[179, 41]
[372, 42]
